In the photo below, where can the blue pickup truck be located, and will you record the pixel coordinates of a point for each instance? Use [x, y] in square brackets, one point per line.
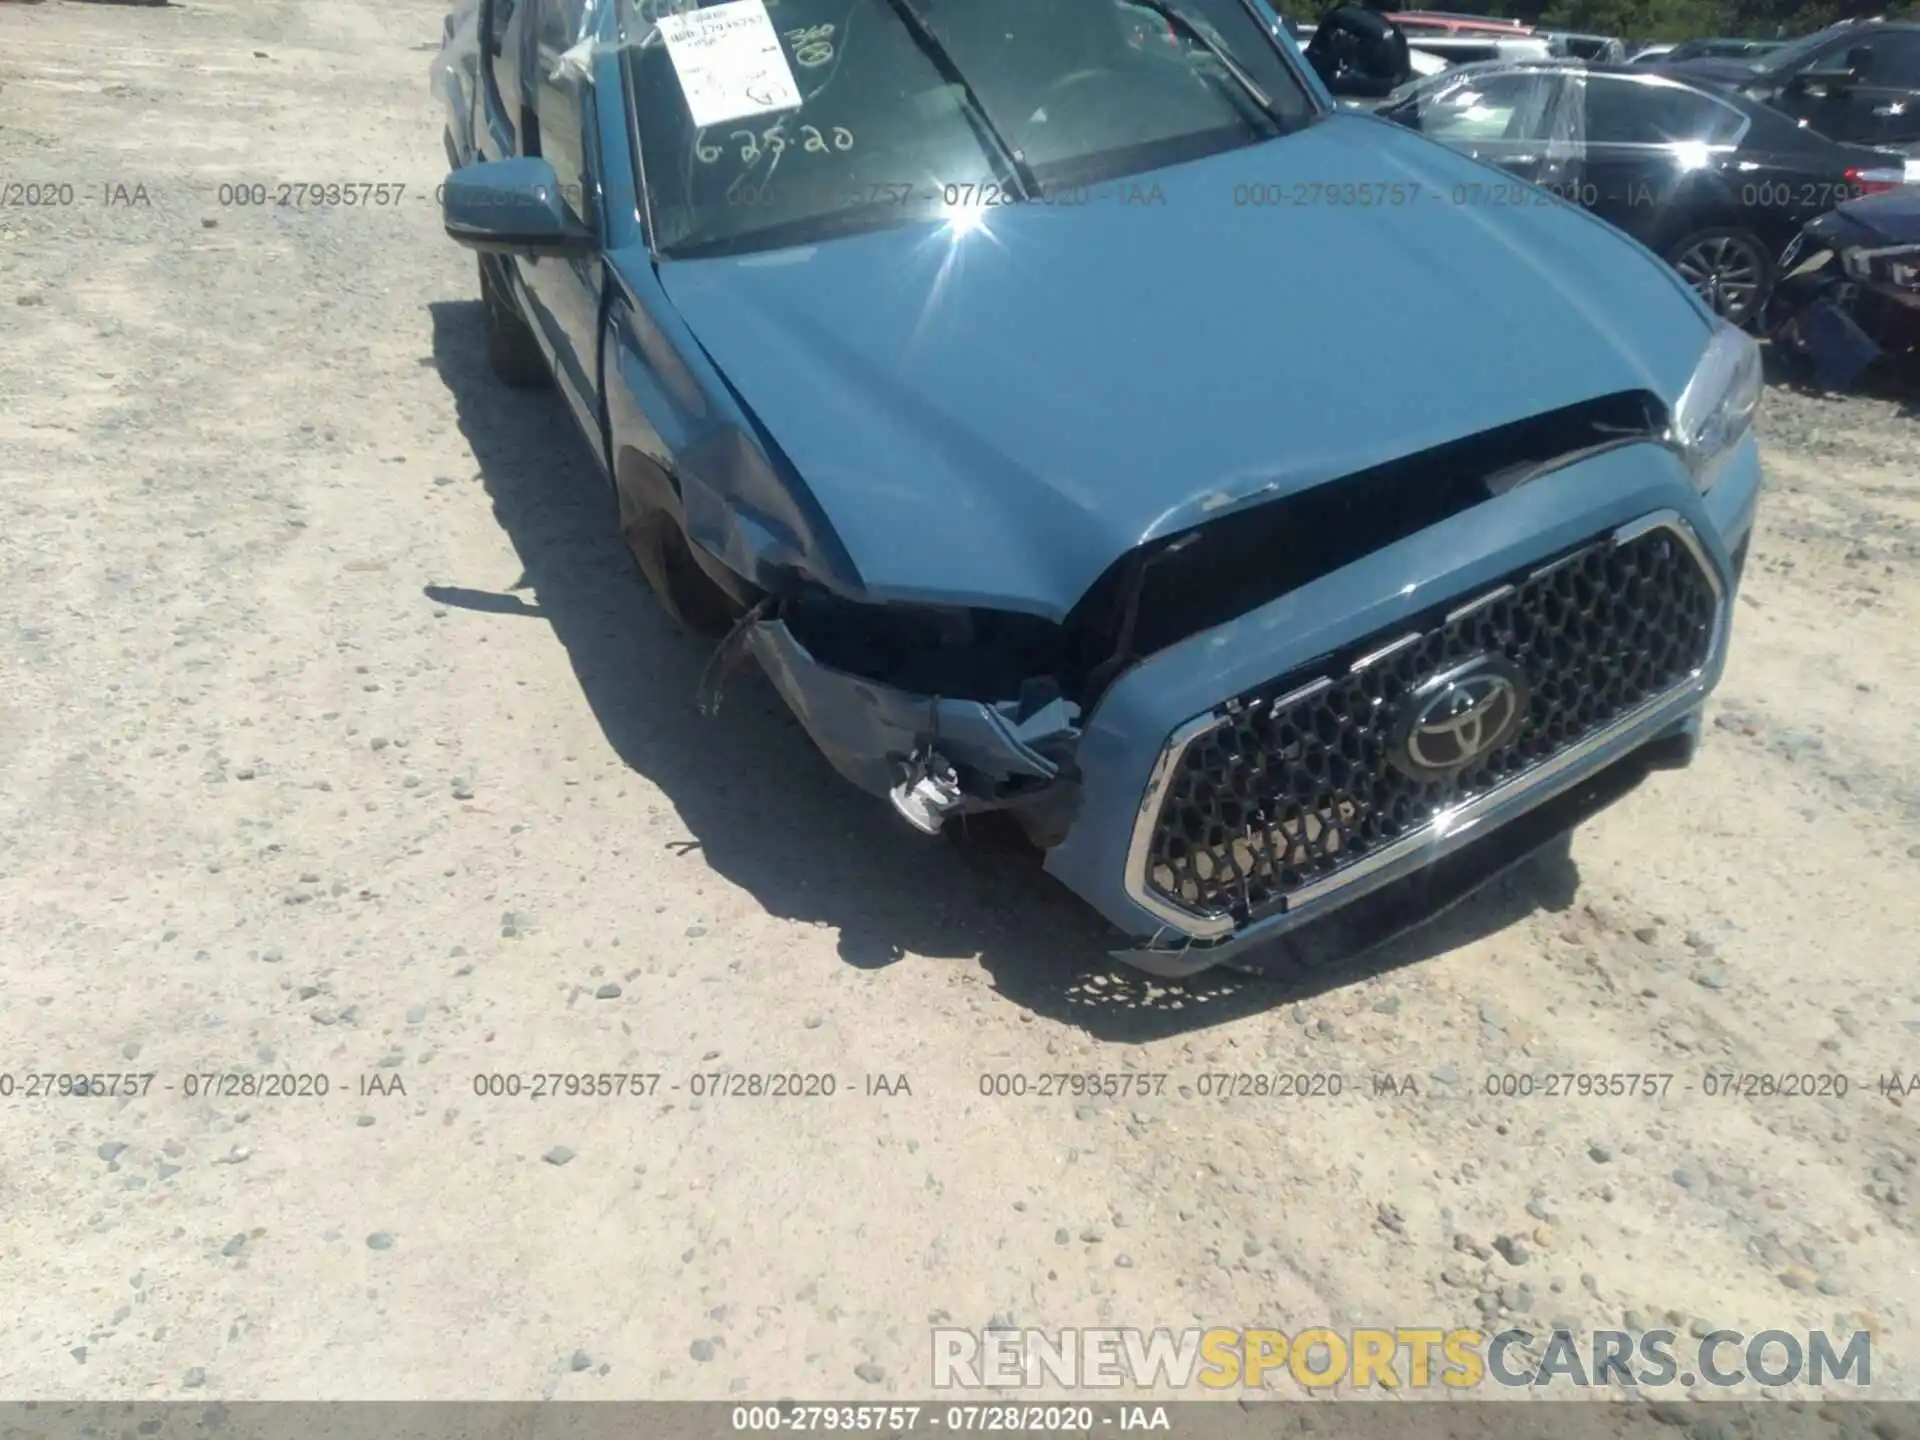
[1075, 414]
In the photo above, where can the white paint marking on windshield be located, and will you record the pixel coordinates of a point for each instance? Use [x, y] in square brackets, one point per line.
[812, 46]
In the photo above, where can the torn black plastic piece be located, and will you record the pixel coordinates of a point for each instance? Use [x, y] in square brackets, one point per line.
[726, 658]
[984, 655]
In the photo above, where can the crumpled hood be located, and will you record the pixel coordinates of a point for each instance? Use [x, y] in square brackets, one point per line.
[1893, 215]
[994, 418]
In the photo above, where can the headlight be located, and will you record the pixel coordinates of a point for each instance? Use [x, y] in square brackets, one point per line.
[1897, 265]
[1717, 407]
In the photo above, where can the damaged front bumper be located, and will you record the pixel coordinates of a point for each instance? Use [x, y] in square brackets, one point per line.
[1844, 300]
[932, 756]
[1091, 789]
[1138, 734]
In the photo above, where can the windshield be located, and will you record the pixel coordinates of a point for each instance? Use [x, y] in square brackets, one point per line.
[765, 124]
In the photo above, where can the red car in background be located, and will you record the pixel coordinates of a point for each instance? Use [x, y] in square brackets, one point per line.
[1441, 22]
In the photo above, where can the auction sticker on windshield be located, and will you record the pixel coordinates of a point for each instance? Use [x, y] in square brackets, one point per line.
[729, 62]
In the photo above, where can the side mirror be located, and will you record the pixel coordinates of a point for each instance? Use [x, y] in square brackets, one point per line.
[512, 207]
[1860, 61]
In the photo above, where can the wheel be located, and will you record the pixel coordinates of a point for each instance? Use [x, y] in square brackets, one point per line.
[1730, 269]
[511, 349]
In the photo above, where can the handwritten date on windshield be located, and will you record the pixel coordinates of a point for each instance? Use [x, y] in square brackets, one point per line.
[770, 144]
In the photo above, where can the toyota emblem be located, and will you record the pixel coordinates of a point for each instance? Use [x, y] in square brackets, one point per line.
[1459, 716]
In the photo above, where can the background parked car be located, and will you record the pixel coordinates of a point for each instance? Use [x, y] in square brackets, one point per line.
[1603, 49]
[1850, 287]
[1650, 54]
[1712, 180]
[1470, 49]
[1417, 23]
[1857, 81]
[1720, 48]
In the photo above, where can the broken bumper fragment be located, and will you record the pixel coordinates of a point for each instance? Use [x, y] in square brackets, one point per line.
[933, 756]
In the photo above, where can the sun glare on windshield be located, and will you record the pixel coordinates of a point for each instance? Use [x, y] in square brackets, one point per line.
[964, 219]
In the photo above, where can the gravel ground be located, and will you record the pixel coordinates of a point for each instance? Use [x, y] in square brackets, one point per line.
[340, 739]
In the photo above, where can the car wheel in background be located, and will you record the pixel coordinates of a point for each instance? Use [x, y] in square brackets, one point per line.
[1731, 269]
[511, 349]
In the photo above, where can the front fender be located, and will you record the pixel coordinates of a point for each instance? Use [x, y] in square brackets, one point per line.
[673, 415]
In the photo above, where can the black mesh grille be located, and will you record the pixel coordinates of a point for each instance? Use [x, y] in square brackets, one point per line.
[1282, 795]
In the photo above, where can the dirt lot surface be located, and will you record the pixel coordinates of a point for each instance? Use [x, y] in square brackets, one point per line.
[341, 739]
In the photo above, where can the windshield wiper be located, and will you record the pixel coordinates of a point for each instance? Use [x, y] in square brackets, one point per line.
[1174, 15]
[943, 62]
[705, 244]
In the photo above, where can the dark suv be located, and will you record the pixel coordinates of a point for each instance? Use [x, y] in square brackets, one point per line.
[1857, 81]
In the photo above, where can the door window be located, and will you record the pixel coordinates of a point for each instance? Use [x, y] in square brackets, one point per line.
[1507, 106]
[560, 100]
[1896, 60]
[1623, 111]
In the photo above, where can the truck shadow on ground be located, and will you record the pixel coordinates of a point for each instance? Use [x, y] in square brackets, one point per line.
[764, 810]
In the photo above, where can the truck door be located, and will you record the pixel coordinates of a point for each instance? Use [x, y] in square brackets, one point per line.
[563, 295]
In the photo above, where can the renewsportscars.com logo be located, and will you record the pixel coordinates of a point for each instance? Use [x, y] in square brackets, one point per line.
[1415, 1358]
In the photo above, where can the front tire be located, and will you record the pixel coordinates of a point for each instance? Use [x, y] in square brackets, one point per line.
[512, 351]
[1729, 268]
